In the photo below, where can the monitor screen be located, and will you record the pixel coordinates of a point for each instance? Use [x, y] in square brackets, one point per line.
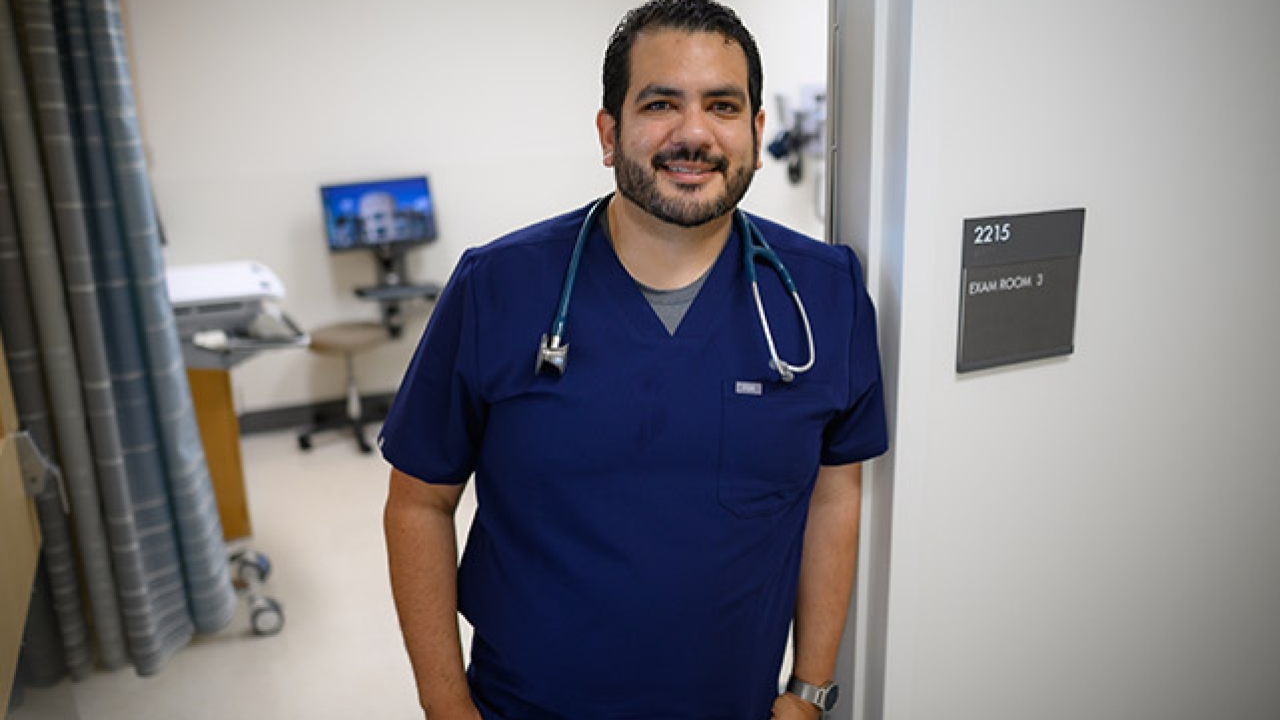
[378, 214]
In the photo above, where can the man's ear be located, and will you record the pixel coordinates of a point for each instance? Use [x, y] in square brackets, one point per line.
[607, 127]
[759, 138]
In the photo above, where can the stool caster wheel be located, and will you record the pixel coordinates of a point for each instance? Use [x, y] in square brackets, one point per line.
[266, 616]
[304, 442]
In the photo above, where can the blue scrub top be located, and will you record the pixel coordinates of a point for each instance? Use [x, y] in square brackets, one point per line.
[636, 547]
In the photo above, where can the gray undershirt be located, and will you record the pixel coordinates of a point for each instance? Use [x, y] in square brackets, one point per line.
[669, 305]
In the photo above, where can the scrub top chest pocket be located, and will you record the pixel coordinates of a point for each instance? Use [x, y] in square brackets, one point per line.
[770, 444]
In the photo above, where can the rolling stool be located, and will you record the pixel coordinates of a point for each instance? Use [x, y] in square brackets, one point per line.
[347, 339]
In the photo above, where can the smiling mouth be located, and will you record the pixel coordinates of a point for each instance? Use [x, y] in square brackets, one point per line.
[689, 165]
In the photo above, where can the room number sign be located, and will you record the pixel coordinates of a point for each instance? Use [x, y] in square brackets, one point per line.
[1018, 285]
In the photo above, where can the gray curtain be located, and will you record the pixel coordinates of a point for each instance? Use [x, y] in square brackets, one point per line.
[95, 358]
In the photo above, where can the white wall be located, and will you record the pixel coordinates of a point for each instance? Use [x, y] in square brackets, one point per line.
[1092, 536]
[249, 106]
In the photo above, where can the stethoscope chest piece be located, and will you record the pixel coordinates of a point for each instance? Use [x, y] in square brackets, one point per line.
[552, 356]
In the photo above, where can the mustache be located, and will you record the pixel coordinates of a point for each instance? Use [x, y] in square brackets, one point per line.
[719, 163]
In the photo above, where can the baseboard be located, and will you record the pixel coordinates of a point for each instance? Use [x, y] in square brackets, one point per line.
[299, 417]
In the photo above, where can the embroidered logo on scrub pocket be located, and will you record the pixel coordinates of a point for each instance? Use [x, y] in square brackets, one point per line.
[743, 387]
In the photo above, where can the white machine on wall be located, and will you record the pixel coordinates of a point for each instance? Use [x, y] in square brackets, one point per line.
[801, 142]
[804, 130]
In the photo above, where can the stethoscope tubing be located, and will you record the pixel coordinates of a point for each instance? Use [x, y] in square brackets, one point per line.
[553, 352]
[571, 274]
[754, 245]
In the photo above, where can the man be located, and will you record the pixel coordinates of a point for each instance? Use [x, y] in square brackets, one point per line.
[642, 510]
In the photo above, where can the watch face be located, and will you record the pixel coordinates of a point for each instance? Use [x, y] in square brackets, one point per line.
[833, 694]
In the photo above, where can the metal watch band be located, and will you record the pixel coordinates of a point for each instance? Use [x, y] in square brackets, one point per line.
[812, 694]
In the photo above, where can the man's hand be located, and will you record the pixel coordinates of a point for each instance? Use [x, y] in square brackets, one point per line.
[789, 706]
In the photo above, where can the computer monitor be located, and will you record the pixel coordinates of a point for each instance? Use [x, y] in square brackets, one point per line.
[385, 216]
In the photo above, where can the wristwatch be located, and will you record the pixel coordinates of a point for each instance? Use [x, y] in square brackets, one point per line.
[823, 697]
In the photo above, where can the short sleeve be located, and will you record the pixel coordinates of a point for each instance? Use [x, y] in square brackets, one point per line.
[860, 431]
[435, 423]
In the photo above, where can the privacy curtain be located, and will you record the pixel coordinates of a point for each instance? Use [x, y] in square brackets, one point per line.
[95, 358]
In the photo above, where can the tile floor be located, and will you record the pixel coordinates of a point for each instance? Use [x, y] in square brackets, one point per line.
[317, 516]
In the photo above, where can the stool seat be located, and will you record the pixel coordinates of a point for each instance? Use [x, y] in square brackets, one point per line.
[345, 339]
[348, 337]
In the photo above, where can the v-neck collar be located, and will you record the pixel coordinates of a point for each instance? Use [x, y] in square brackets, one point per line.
[602, 268]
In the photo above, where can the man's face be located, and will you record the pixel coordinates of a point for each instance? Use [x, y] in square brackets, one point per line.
[686, 146]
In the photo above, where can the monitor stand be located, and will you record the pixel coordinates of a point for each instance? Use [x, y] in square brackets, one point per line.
[393, 287]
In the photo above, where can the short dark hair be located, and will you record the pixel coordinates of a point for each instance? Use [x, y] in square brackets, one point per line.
[690, 16]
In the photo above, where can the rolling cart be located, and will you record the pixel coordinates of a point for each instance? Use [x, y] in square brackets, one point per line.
[225, 314]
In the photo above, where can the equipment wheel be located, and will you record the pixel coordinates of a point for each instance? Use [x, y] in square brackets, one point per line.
[266, 616]
[252, 566]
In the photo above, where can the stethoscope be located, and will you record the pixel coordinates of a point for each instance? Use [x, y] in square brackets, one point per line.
[553, 353]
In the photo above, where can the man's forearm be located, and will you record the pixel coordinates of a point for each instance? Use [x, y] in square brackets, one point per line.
[423, 559]
[827, 571]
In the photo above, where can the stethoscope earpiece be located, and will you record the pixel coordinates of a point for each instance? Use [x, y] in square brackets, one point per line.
[554, 356]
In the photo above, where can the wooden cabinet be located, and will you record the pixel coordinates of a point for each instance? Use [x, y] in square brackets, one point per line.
[220, 435]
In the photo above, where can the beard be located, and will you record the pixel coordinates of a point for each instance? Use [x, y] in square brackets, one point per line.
[639, 184]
